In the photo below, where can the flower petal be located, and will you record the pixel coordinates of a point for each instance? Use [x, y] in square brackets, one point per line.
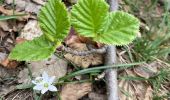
[45, 76]
[38, 87]
[34, 82]
[44, 90]
[52, 88]
[51, 80]
[38, 80]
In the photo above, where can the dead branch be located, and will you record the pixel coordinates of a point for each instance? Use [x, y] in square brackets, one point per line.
[110, 58]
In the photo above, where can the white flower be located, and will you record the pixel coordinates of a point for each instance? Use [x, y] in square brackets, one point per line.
[44, 83]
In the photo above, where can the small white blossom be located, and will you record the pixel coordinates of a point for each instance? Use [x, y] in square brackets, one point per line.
[44, 83]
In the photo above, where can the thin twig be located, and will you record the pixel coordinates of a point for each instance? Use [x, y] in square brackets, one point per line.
[110, 58]
[84, 53]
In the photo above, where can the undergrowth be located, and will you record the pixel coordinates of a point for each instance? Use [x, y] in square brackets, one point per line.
[154, 41]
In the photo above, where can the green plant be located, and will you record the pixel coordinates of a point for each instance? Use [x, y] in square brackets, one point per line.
[90, 18]
[147, 50]
[10, 17]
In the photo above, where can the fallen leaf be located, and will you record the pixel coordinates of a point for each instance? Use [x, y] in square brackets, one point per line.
[148, 94]
[19, 95]
[31, 30]
[2, 35]
[40, 2]
[84, 61]
[96, 96]
[147, 70]
[25, 5]
[5, 90]
[20, 40]
[75, 91]
[6, 73]
[9, 63]
[5, 62]
[54, 66]
[72, 39]
[132, 89]
[20, 18]
[4, 26]
[3, 56]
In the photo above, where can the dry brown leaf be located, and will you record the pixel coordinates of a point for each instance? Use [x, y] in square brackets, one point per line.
[54, 66]
[73, 39]
[31, 30]
[96, 96]
[4, 25]
[133, 90]
[25, 5]
[9, 63]
[6, 73]
[20, 18]
[75, 91]
[6, 62]
[84, 61]
[148, 94]
[147, 70]
[5, 90]
[20, 40]
[40, 2]
[3, 56]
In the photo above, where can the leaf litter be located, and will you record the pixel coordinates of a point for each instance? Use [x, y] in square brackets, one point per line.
[129, 89]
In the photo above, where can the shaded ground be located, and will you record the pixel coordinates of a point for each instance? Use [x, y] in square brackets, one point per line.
[149, 81]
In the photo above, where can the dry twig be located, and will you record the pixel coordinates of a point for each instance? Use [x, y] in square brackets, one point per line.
[84, 53]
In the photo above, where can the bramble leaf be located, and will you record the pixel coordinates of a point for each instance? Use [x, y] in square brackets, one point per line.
[88, 16]
[91, 18]
[121, 29]
[37, 49]
[55, 24]
[54, 20]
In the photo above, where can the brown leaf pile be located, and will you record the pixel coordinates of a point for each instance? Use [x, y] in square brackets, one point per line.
[131, 89]
[134, 90]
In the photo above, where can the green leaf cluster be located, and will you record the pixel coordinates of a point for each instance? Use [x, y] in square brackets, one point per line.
[90, 18]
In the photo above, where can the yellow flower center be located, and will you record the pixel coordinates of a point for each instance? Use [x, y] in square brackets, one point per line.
[46, 85]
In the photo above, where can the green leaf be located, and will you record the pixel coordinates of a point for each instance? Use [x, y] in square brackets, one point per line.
[54, 20]
[120, 29]
[91, 18]
[88, 17]
[34, 50]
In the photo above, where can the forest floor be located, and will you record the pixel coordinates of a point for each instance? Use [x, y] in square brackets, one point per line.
[148, 81]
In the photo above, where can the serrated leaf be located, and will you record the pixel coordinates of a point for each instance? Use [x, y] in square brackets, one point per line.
[121, 29]
[54, 20]
[88, 16]
[34, 50]
[91, 18]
